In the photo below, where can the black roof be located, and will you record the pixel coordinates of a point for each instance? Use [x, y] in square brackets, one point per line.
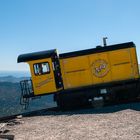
[35, 55]
[49, 53]
[97, 50]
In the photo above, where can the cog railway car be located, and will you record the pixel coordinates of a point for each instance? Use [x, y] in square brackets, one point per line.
[76, 78]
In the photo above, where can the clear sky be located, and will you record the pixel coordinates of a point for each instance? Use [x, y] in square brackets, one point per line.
[68, 25]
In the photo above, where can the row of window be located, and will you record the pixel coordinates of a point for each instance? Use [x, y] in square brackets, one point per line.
[41, 68]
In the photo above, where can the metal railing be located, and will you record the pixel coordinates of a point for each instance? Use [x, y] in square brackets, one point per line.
[26, 92]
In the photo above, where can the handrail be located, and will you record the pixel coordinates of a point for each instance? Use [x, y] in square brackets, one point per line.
[26, 92]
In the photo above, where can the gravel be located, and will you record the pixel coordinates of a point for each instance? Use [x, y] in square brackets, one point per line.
[120, 122]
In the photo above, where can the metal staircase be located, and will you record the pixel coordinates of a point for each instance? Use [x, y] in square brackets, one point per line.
[26, 92]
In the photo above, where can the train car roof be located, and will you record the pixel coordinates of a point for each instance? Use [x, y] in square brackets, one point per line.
[46, 54]
[98, 49]
[35, 55]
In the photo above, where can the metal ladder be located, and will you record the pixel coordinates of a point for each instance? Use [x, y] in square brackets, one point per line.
[26, 92]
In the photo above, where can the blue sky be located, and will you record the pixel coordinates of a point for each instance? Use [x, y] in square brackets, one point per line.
[68, 25]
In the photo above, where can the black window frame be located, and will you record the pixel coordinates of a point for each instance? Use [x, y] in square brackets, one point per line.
[37, 74]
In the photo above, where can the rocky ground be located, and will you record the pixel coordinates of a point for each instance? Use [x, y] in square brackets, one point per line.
[121, 122]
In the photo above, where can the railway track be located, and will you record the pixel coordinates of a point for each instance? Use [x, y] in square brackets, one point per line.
[36, 112]
[7, 118]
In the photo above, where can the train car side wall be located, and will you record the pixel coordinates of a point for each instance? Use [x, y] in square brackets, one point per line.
[97, 68]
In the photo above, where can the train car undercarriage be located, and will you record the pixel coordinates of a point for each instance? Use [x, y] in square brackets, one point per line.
[106, 94]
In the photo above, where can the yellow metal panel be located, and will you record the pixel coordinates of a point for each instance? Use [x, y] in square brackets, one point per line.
[118, 57]
[43, 84]
[77, 79]
[121, 64]
[122, 72]
[75, 63]
[76, 72]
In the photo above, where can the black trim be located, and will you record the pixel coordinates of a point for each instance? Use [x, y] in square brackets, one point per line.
[43, 94]
[36, 55]
[97, 50]
[57, 72]
[50, 53]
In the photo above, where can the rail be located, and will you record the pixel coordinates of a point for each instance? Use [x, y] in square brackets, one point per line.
[27, 114]
[57, 109]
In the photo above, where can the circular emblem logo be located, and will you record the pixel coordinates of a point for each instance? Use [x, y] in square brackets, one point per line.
[100, 68]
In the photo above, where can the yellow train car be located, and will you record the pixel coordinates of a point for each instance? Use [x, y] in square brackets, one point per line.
[101, 65]
[78, 77]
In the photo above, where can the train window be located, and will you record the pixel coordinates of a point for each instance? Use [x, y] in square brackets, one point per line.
[41, 68]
